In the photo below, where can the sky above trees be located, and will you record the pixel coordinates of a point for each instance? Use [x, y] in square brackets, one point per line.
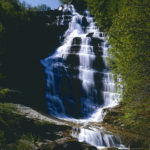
[51, 3]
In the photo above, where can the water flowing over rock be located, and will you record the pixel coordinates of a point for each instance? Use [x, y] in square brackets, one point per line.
[79, 84]
[97, 137]
[77, 78]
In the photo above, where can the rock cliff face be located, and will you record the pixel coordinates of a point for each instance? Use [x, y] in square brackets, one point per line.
[25, 46]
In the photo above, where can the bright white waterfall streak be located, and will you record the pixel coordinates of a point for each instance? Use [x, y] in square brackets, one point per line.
[86, 56]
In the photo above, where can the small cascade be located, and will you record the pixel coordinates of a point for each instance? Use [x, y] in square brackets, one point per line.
[79, 83]
[97, 137]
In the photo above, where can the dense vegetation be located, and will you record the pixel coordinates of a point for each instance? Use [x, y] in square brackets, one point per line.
[65, 1]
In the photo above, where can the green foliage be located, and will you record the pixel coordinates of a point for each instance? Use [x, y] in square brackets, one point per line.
[26, 142]
[136, 117]
[65, 1]
[129, 36]
[39, 8]
[3, 92]
[2, 139]
[104, 11]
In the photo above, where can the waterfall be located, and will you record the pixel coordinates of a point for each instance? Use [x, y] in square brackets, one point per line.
[97, 137]
[79, 83]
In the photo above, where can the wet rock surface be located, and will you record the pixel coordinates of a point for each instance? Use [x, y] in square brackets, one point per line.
[111, 148]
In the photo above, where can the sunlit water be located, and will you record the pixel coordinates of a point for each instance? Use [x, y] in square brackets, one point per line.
[79, 84]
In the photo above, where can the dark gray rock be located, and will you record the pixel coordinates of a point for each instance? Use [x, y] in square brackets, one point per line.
[66, 143]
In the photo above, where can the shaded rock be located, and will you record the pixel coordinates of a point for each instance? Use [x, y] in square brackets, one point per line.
[76, 41]
[90, 34]
[66, 143]
[110, 148]
[84, 22]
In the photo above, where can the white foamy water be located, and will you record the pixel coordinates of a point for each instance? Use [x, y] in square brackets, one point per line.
[79, 83]
[97, 137]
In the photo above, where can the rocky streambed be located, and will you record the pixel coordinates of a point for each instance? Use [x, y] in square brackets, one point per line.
[69, 138]
[23, 128]
[60, 130]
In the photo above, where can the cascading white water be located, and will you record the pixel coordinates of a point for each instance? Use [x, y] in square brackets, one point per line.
[97, 137]
[79, 84]
[70, 72]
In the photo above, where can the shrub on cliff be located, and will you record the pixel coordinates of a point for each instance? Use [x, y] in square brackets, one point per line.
[65, 1]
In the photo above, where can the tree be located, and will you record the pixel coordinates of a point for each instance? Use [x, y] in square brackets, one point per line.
[65, 1]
